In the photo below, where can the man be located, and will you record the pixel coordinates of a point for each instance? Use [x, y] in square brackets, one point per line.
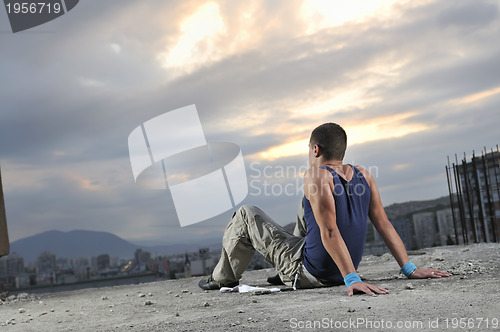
[338, 198]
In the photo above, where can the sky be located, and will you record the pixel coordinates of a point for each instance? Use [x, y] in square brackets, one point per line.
[412, 82]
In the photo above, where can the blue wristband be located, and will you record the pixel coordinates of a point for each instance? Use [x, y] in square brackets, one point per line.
[351, 278]
[408, 269]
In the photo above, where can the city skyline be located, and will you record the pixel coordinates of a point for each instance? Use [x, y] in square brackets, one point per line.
[411, 83]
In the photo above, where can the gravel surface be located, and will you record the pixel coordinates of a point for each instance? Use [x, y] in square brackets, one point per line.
[467, 301]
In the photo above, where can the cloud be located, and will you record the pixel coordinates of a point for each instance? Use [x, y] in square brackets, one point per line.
[468, 14]
[371, 130]
[414, 82]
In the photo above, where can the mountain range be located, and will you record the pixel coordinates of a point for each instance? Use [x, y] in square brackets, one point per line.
[84, 243]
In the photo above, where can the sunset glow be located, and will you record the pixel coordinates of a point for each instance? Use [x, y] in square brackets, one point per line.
[476, 96]
[196, 44]
[372, 130]
[410, 81]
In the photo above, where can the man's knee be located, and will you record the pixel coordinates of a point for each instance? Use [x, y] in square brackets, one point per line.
[239, 217]
[245, 210]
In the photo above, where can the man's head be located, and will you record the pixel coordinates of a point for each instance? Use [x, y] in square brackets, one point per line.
[328, 142]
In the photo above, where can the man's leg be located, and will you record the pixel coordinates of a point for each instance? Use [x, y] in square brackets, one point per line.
[301, 225]
[251, 229]
[299, 231]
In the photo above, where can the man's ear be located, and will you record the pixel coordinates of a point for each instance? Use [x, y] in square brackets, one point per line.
[316, 151]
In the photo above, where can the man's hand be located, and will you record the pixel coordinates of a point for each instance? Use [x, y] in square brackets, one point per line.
[429, 273]
[362, 287]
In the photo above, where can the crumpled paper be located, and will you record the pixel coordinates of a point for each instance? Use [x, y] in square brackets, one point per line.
[246, 289]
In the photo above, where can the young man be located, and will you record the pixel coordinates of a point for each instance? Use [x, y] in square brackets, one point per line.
[338, 198]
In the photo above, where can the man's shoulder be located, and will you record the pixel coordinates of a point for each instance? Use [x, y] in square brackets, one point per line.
[366, 174]
[363, 171]
[315, 173]
[314, 178]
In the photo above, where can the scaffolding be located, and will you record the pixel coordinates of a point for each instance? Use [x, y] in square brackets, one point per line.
[475, 197]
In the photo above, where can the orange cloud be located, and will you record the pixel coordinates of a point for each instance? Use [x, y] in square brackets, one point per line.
[475, 96]
[371, 130]
[89, 185]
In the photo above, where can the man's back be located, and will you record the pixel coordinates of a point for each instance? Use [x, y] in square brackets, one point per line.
[352, 200]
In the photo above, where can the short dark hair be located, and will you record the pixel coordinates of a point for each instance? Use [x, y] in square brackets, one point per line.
[331, 139]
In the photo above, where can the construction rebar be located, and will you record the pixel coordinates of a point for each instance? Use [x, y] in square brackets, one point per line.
[465, 233]
[470, 203]
[450, 189]
[475, 192]
[489, 195]
[479, 200]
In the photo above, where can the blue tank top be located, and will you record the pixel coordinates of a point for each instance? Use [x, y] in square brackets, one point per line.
[352, 201]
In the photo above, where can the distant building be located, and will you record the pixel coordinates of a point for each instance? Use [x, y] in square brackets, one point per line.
[404, 229]
[46, 262]
[12, 265]
[12, 272]
[93, 264]
[79, 262]
[142, 259]
[62, 263]
[474, 188]
[202, 267]
[194, 264]
[446, 227]
[160, 265]
[206, 266]
[425, 229]
[46, 269]
[424, 224]
[375, 245]
[103, 262]
[116, 261]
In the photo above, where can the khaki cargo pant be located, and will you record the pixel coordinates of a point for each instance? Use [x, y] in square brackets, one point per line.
[251, 229]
